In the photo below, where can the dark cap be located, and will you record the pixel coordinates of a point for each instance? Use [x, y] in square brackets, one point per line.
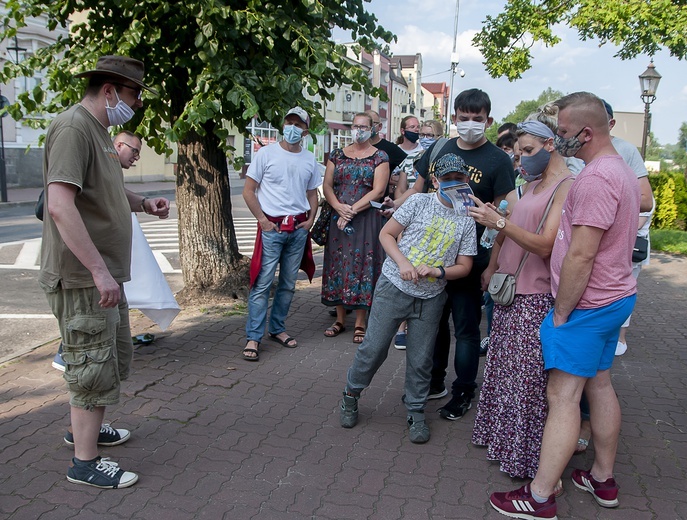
[121, 67]
[609, 108]
[450, 163]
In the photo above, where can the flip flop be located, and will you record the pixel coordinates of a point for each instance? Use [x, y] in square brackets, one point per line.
[358, 335]
[143, 339]
[334, 330]
[252, 351]
[284, 342]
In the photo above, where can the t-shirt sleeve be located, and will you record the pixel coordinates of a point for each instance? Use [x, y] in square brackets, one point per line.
[634, 161]
[599, 200]
[380, 157]
[66, 165]
[256, 167]
[405, 214]
[315, 177]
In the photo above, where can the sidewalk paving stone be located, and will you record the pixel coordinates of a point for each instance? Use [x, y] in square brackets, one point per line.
[215, 437]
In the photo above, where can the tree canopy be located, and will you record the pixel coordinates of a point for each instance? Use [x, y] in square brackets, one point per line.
[634, 26]
[524, 109]
[214, 62]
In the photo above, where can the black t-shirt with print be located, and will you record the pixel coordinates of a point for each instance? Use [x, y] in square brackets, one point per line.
[491, 170]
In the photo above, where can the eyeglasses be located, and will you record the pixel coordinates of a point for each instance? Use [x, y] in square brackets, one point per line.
[138, 90]
[136, 151]
[427, 135]
[364, 128]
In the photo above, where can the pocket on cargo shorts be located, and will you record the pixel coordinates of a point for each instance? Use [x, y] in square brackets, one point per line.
[89, 353]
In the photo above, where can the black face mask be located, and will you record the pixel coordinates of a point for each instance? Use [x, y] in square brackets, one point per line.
[411, 136]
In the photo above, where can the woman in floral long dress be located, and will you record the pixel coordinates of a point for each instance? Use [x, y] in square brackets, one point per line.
[355, 175]
[512, 406]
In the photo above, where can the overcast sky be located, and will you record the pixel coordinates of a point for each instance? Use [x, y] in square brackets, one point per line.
[426, 26]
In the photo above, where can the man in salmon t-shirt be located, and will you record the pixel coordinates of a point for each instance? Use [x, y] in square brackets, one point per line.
[591, 279]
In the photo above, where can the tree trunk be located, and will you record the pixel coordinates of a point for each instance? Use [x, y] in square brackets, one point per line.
[211, 264]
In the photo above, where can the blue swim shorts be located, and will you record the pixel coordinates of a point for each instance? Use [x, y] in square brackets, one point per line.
[586, 343]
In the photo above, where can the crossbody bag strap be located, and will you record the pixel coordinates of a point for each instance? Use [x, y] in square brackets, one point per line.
[541, 224]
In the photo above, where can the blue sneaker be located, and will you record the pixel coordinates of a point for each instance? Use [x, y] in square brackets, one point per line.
[57, 362]
[400, 341]
[108, 436]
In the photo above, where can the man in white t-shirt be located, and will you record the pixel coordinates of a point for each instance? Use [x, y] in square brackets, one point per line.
[281, 192]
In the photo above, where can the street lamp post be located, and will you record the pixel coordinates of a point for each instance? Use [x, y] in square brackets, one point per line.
[648, 82]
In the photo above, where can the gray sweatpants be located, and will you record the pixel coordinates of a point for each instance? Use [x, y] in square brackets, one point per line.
[390, 307]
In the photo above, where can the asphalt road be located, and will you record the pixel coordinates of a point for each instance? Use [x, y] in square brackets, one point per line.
[26, 321]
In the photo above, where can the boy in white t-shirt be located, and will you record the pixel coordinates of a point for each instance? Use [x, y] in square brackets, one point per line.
[437, 244]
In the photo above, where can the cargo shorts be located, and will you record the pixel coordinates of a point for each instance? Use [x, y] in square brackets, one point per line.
[96, 345]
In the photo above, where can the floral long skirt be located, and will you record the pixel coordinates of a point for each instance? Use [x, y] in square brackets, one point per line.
[512, 405]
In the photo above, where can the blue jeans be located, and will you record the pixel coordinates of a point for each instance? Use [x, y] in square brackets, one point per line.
[286, 251]
[465, 304]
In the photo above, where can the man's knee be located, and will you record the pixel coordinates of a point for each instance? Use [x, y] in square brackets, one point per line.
[563, 388]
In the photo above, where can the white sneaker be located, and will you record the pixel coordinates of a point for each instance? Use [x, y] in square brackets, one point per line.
[620, 348]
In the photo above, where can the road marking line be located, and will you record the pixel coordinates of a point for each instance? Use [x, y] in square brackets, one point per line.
[29, 254]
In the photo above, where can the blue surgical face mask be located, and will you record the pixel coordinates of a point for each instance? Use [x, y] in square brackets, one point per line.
[292, 134]
[426, 142]
[532, 166]
[445, 185]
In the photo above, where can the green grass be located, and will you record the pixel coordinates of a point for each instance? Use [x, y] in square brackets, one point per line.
[669, 241]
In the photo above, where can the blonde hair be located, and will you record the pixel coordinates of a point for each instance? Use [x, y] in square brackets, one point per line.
[546, 114]
[437, 127]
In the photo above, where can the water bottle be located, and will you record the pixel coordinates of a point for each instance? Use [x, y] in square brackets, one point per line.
[348, 229]
[489, 235]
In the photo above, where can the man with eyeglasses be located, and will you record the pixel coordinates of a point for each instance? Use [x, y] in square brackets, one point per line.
[86, 257]
[128, 146]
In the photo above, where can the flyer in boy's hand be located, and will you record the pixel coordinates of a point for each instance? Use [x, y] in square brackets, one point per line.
[459, 197]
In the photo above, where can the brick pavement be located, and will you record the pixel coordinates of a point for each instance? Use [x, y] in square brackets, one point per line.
[216, 437]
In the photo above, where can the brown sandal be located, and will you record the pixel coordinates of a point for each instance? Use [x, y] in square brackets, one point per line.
[334, 330]
[358, 335]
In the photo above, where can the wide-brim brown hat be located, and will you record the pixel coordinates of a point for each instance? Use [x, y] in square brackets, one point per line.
[119, 67]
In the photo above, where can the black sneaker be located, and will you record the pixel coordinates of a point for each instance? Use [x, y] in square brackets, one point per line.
[348, 415]
[437, 393]
[456, 407]
[100, 473]
[418, 431]
[108, 436]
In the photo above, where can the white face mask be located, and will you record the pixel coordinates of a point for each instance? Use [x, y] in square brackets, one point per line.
[470, 131]
[119, 114]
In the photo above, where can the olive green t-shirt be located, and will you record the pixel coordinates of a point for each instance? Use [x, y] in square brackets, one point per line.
[79, 151]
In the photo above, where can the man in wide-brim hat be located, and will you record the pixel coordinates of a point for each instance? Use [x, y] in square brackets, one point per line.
[86, 257]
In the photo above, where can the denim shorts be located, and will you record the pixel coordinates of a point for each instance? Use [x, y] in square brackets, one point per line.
[586, 343]
[90, 345]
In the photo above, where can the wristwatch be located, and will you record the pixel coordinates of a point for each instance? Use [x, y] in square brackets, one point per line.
[501, 223]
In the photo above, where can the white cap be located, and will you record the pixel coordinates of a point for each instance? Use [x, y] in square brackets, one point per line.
[300, 113]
